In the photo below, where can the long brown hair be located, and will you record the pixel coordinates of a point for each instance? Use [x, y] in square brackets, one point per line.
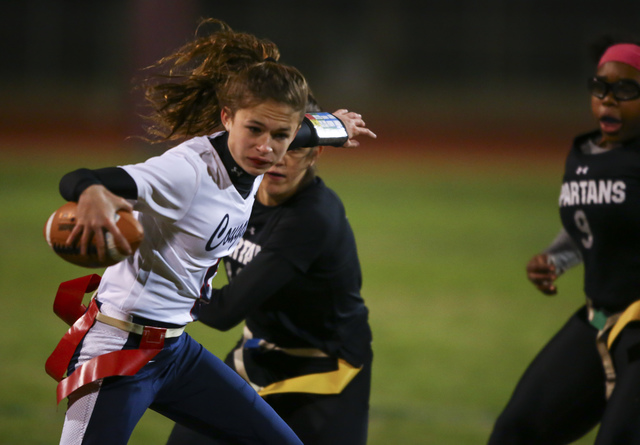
[221, 69]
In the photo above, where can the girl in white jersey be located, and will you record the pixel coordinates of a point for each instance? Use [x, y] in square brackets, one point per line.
[128, 351]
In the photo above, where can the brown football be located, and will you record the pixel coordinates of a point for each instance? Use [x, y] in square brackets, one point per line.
[61, 223]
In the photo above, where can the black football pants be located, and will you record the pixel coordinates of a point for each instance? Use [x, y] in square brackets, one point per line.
[561, 395]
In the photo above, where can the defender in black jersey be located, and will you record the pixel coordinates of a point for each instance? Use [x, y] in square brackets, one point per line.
[295, 277]
[589, 373]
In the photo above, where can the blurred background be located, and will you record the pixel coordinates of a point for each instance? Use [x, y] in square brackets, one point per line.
[475, 105]
[429, 63]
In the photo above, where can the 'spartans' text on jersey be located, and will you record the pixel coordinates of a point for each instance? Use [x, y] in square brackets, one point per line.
[602, 191]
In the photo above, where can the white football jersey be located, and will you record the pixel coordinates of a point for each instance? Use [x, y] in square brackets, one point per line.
[192, 217]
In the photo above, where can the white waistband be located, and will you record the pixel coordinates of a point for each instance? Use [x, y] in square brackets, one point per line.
[134, 327]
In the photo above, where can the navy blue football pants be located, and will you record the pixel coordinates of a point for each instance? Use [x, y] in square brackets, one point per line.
[191, 386]
[561, 395]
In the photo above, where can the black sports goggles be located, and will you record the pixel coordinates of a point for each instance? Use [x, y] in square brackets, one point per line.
[622, 90]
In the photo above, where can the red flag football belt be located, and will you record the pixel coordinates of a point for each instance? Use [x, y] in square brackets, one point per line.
[68, 306]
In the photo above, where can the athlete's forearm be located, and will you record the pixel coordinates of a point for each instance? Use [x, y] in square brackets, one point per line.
[259, 280]
[563, 252]
[320, 129]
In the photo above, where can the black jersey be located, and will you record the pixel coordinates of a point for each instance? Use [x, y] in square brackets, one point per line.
[600, 209]
[295, 277]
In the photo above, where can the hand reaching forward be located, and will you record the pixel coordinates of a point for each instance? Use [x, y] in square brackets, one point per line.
[97, 207]
[542, 273]
[355, 127]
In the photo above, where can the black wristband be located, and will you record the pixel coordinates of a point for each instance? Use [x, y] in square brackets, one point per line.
[320, 129]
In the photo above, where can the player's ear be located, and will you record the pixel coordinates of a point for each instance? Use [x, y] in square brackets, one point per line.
[226, 117]
[315, 154]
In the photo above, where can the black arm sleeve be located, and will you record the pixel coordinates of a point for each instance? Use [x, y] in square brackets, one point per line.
[259, 279]
[115, 179]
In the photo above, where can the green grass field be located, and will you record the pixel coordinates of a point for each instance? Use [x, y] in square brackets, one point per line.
[443, 248]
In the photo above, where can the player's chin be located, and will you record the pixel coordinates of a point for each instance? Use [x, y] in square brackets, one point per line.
[256, 167]
[257, 171]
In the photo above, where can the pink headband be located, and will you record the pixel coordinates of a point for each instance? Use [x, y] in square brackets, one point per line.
[626, 53]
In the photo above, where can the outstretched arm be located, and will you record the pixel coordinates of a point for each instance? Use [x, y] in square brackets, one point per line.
[254, 284]
[338, 129]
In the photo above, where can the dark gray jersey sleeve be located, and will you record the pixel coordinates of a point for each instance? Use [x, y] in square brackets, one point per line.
[563, 252]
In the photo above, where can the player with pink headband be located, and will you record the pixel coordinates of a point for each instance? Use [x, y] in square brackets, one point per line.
[589, 372]
[627, 53]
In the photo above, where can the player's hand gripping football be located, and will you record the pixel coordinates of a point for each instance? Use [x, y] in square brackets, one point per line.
[355, 127]
[542, 273]
[95, 214]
